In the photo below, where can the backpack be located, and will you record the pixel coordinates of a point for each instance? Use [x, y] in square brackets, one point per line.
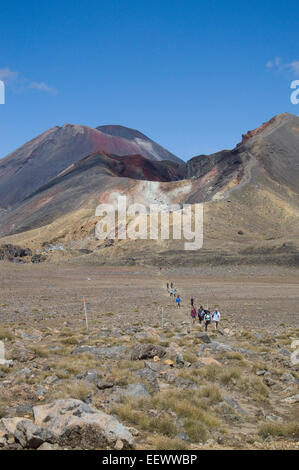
[208, 316]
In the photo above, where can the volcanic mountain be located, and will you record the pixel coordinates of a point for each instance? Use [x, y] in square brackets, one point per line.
[34, 164]
[250, 196]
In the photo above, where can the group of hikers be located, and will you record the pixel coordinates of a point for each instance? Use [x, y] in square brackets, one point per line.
[204, 315]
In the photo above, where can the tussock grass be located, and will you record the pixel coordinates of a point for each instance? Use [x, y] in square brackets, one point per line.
[77, 390]
[196, 430]
[151, 340]
[211, 372]
[212, 392]
[130, 365]
[185, 404]
[70, 340]
[162, 424]
[165, 443]
[189, 357]
[246, 334]
[229, 375]
[123, 377]
[6, 334]
[40, 351]
[259, 387]
[290, 430]
[234, 355]
[75, 364]
[254, 387]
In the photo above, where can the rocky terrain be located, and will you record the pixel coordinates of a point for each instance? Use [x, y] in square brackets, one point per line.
[131, 382]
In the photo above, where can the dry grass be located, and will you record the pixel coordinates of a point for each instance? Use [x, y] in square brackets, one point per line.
[290, 430]
[229, 376]
[185, 404]
[40, 351]
[76, 390]
[159, 442]
[75, 365]
[123, 377]
[212, 392]
[162, 424]
[189, 357]
[196, 430]
[6, 334]
[234, 355]
[70, 340]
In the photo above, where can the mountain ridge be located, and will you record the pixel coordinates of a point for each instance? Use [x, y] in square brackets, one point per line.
[250, 193]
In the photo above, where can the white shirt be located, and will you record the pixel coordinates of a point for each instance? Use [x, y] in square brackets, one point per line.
[216, 315]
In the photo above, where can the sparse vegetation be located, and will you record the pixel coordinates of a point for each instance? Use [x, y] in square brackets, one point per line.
[289, 430]
[6, 334]
[208, 405]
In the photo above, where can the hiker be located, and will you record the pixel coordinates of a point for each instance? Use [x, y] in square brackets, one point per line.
[192, 301]
[174, 293]
[171, 285]
[207, 319]
[193, 315]
[178, 301]
[167, 285]
[171, 292]
[201, 313]
[216, 318]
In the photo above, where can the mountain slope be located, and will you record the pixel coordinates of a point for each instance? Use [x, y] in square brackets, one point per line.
[43, 158]
[149, 148]
[250, 195]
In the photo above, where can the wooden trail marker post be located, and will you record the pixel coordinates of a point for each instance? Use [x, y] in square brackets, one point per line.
[85, 313]
[162, 317]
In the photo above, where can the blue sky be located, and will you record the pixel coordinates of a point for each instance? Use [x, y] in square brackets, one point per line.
[192, 75]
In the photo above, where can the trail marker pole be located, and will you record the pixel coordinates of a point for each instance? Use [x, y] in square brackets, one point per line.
[85, 313]
[162, 317]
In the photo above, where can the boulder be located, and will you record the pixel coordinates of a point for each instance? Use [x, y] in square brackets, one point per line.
[77, 425]
[51, 379]
[206, 361]
[291, 400]
[149, 376]
[221, 347]
[203, 337]
[179, 359]
[10, 424]
[147, 351]
[31, 436]
[156, 366]
[287, 377]
[90, 376]
[38, 258]
[10, 252]
[105, 385]
[23, 355]
[136, 390]
[234, 404]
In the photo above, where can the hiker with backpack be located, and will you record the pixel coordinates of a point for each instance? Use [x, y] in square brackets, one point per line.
[201, 314]
[193, 315]
[192, 301]
[207, 319]
[178, 301]
[216, 318]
